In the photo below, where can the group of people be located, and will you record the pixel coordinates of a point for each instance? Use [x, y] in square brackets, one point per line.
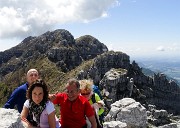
[80, 107]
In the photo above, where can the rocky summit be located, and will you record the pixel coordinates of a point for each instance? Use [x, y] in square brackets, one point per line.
[151, 100]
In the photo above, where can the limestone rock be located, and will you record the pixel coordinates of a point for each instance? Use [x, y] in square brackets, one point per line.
[128, 111]
[10, 118]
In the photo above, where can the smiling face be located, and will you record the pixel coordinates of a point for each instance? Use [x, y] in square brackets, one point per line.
[32, 76]
[37, 94]
[72, 92]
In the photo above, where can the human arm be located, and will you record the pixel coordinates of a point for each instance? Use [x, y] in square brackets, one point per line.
[98, 100]
[52, 97]
[92, 119]
[56, 98]
[101, 108]
[52, 120]
[12, 101]
[24, 115]
[100, 104]
[90, 114]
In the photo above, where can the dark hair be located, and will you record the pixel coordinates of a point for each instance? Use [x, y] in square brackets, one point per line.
[38, 83]
[74, 81]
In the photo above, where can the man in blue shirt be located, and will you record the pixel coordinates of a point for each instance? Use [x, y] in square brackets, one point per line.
[18, 96]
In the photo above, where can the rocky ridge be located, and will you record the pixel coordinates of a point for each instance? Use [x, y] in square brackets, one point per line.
[111, 71]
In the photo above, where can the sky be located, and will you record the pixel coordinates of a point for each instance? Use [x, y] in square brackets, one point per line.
[139, 28]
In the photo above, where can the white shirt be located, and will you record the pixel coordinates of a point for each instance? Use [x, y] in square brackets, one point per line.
[44, 115]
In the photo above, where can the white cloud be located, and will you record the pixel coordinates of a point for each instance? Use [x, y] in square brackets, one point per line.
[174, 47]
[171, 47]
[22, 18]
[160, 48]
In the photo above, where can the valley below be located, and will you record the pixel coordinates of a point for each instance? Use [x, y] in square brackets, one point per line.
[170, 67]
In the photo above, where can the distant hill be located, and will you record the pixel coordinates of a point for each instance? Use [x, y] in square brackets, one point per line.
[170, 68]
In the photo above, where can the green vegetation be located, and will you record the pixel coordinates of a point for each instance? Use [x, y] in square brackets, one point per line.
[54, 77]
[3, 91]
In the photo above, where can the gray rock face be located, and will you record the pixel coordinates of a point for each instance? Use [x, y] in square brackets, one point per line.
[111, 82]
[166, 94]
[10, 118]
[114, 124]
[172, 125]
[89, 47]
[155, 90]
[128, 111]
[103, 63]
[58, 46]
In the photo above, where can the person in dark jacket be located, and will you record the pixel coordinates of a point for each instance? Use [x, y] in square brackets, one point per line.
[18, 96]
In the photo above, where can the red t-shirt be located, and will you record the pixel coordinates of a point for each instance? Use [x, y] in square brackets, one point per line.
[73, 112]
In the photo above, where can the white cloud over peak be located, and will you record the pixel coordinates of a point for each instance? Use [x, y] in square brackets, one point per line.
[21, 18]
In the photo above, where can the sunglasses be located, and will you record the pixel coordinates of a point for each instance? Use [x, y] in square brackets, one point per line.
[85, 93]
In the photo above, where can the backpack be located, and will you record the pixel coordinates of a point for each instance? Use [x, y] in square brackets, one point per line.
[100, 120]
[97, 90]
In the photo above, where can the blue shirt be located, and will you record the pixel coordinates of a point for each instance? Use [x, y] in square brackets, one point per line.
[18, 97]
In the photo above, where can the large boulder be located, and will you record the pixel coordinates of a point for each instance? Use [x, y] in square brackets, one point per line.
[128, 111]
[10, 118]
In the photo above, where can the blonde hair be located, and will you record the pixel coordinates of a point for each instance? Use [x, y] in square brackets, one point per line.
[86, 85]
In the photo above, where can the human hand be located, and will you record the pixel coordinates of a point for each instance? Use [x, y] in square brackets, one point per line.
[100, 103]
[26, 123]
[95, 106]
[52, 96]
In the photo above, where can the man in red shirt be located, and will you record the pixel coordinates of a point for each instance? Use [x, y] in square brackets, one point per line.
[74, 108]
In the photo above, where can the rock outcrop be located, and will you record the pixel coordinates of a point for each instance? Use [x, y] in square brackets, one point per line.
[125, 113]
[58, 46]
[128, 111]
[114, 72]
[10, 118]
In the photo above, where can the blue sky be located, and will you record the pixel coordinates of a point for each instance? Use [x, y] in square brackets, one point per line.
[139, 28]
